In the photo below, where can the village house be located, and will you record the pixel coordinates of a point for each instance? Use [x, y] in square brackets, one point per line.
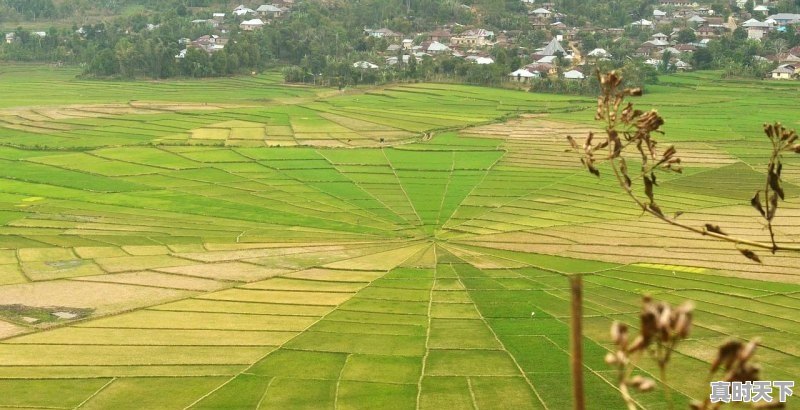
[659, 37]
[523, 76]
[269, 11]
[10, 37]
[761, 9]
[552, 49]
[643, 24]
[251, 25]
[241, 10]
[440, 35]
[365, 65]
[599, 53]
[682, 66]
[658, 44]
[549, 61]
[707, 32]
[646, 50]
[480, 60]
[697, 20]
[384, 33]
[542, 69]
[393, 60]
[615, 33]
[473, 38]
[684, 12]
[541, 14]
[435, 47]
[784, 19]
[210, 43]
[788, 58]
[659, 15]
[704, 11]
[574, 75]
[756, 30]
[675, 3]
[784, 72]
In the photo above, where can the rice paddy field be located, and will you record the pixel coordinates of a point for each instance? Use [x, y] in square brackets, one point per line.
[242, 244]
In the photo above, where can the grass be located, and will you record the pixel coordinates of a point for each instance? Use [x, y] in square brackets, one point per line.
[340, 270]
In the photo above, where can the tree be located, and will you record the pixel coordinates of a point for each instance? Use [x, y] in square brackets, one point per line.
[127, 58]
[411, 69]
[686, 35]
[666, 65]
[104, 64]
[702, 59]
[219, 63]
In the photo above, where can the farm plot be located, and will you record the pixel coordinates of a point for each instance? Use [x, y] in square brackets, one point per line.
[381, 248]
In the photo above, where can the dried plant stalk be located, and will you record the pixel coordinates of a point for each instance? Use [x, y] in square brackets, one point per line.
[627, 127]
[662, 328]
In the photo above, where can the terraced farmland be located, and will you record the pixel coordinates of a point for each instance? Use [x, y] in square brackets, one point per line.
[240, 243]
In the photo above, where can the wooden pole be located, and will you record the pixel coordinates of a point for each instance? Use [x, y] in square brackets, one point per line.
[576, 341]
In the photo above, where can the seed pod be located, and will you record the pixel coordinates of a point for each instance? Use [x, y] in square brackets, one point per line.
[636, 381]
[683, 324]
[647, 385]
[619, 333]
[756, 203]
[611, 359]
[726, 355]
[748, 350]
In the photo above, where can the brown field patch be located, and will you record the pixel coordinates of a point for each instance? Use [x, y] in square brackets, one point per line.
[146, 250]
[534, 141]
[161, 280]
[45, 254]
[138, 263]
[152, 319]
[91, 252]
[9, 329]
[379, 261]
[231, 271]
[225, 306]
[281, 297]
[256, 251]
[103, 297]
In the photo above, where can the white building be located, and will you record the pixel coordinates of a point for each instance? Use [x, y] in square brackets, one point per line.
[522, 75]
[599, 53]
[365, 65]
[480, 60]
[250, 25]
[574, 75]
[241, 10]
[437, 48]
[643, 23]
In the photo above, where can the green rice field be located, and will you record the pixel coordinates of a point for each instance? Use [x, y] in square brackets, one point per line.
[240, 244]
